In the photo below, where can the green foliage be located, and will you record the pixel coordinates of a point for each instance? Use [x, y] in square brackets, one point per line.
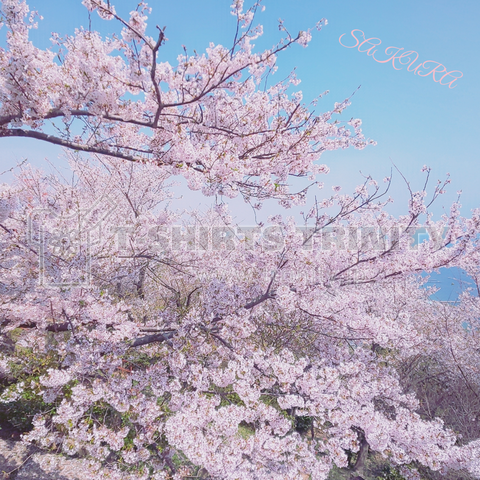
[303, 424]
[20, 413]
[378, 468]
[23, 386]
[246, 430]
[389, 473]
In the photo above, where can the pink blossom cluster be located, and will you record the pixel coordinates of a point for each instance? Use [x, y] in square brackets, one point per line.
[171, 363]
[201, 356]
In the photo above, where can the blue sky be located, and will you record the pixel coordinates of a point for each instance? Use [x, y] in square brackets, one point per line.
[414, 120]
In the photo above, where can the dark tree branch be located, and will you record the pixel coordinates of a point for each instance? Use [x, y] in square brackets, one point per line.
[157, 338]
[18, 132]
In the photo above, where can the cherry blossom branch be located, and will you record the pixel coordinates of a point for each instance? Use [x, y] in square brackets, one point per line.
[18, 132]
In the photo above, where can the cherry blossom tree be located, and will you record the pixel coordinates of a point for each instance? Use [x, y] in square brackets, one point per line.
[216, 350]
[204, 118]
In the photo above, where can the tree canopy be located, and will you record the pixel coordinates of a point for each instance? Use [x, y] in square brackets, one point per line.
[217, 350]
